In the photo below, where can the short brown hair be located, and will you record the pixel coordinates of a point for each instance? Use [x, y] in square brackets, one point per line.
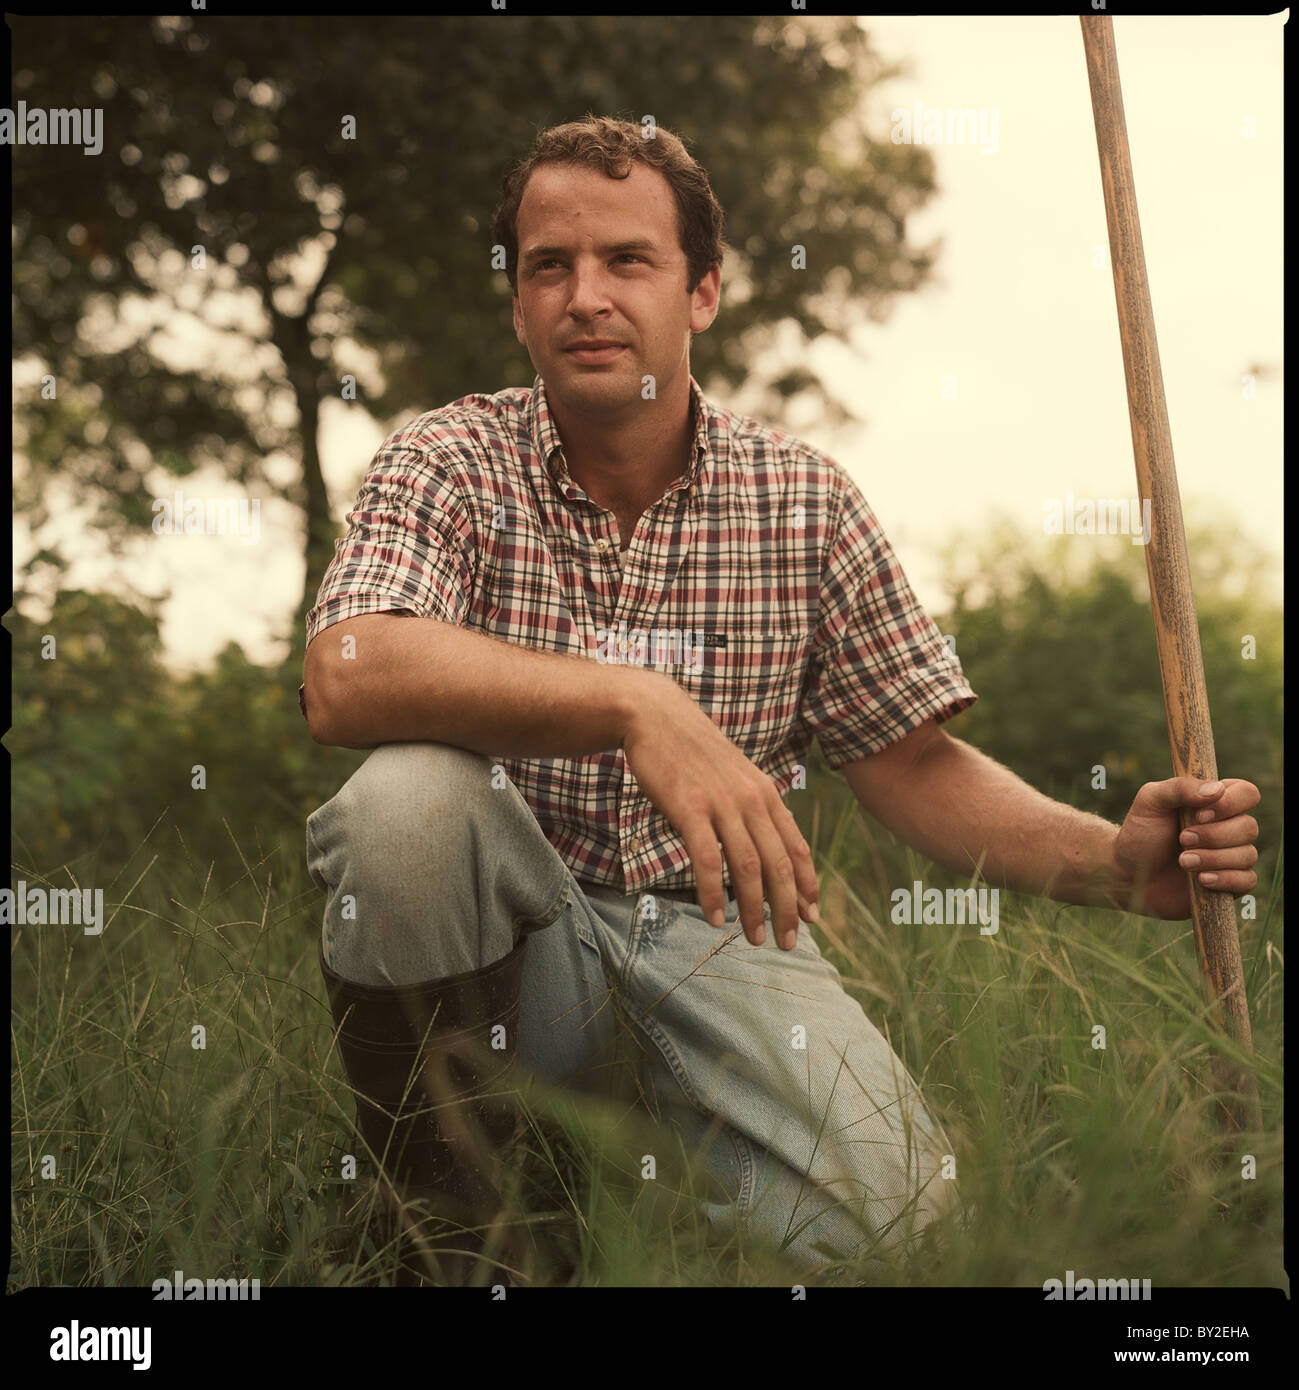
[612, 145]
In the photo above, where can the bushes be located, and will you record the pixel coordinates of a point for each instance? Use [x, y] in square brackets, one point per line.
[105, 741]
[1061, 650]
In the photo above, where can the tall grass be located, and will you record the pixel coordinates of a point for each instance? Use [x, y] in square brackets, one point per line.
[224, 1161]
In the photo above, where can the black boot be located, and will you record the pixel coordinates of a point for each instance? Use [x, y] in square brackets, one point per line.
[429, 1098]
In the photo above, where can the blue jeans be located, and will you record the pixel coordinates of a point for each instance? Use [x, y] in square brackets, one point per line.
[801, 1111]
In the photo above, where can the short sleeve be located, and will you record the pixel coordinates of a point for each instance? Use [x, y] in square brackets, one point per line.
[409, 545]
[878, 667]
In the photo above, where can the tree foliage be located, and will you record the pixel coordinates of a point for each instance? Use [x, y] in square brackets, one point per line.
[323, 255]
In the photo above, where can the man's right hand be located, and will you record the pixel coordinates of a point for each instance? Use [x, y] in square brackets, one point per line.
[710, 792]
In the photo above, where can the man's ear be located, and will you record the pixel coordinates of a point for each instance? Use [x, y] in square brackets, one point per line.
[518, 323]
[704, 300]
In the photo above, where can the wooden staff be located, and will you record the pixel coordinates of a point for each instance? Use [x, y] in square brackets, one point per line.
[1177, 634]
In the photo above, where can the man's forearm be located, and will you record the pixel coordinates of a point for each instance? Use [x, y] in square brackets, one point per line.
[408, 679]
[957, 805]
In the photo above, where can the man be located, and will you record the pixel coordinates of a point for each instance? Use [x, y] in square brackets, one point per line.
[590, 630]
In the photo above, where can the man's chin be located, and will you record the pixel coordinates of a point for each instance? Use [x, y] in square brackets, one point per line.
[609, 389]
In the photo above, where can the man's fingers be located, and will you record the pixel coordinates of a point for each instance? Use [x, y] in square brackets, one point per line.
[706, 857]
[746, 876]
[1229, 796]
[1221, 834]
[1238, 796]
[1236, 881]
[1237, 857]
[768, 858]
[778, 876]
[807, 883]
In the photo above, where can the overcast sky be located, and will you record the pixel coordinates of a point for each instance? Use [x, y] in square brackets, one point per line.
[1001, 384]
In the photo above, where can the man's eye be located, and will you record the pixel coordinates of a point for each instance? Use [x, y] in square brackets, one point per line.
[550, 260]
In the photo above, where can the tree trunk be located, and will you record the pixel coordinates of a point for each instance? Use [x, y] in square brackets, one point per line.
[293, 338]
[319, 530]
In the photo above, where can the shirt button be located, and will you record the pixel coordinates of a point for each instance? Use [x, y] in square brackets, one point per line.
[634, 842]
[602, 545]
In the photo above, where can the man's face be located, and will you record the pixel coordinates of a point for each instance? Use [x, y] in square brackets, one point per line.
[600, 259]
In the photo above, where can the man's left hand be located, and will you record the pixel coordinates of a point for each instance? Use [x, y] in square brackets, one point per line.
[1152, 856]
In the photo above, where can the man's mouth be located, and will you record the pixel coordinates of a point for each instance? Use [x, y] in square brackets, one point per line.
[600, 350]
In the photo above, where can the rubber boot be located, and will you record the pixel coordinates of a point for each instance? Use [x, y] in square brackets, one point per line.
[429, 1100]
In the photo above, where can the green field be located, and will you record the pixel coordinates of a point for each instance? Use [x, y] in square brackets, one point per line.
[224, 1161]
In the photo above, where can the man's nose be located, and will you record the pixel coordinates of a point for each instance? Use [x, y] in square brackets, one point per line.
[589, 291]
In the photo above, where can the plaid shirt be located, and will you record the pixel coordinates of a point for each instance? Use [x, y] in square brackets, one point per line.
[760, 581]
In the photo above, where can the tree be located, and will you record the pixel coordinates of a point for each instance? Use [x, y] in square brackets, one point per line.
[228, 192]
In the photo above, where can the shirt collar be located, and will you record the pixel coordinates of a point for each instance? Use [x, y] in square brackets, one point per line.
[549, 447]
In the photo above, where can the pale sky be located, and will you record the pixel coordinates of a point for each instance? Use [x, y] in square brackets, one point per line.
[1019, 322]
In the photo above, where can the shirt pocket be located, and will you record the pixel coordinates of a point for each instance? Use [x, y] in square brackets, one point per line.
[751, 688]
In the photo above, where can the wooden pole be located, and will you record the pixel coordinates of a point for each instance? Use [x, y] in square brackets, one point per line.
[1177, 633]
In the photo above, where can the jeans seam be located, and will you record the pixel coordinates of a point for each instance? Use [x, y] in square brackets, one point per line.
[673, 1060]
[585, 931]
[548, 917]
[744, 1198]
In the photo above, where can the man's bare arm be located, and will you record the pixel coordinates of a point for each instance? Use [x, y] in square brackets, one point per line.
[955, 805]
[418, 680]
